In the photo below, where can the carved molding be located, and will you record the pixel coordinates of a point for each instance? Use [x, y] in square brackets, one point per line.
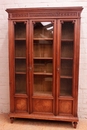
[44, 14]
[20, 15]
[52, 14]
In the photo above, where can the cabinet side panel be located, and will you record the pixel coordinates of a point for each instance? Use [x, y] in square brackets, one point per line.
[11, 64]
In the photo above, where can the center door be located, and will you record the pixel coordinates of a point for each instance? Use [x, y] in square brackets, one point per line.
[42, 65]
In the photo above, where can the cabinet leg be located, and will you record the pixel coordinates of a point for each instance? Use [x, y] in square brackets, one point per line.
[12, 119]
[74, 124]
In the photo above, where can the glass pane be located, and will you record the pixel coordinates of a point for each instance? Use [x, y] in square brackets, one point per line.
[43, 30]
[43, 48]
[67, 54]
[20, 83]
[44, 66]
[42, 85]
[20, 57]
[66, 87]
[20, 30]
[67, 49]
[43, 58]
[20, 65]
[20, 48]
[66, 67]
[67, 30]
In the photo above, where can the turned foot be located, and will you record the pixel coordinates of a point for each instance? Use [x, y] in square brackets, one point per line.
[12, 119]
[74, 124]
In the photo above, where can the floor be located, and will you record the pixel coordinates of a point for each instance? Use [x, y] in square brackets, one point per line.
[26, 124]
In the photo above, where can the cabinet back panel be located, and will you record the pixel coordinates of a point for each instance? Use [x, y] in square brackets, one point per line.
[43, 50]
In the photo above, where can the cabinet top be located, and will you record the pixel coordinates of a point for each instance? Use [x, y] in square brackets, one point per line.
[49, 12]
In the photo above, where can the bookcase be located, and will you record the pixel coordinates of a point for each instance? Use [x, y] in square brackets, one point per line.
[44, 63]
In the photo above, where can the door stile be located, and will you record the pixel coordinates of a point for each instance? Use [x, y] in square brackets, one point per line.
[58, 63]
[76, 66]
[27, 60]
[30, 64]
[54, 68]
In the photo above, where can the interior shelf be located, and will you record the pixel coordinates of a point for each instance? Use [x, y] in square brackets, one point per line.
[20, 57]
[20, 39]
[66, 58]
[39, 73]
[43, 58]
[20, 72]
[43, 39]
[66, 77]
[67, 40]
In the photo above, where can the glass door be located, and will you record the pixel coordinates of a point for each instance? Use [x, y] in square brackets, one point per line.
[66, 76]
[43, 44]
[20, 63]
[67, 55]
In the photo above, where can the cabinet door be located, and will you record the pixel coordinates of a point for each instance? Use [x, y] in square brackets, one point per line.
[43, 73]
[20, 66]
[66, 66]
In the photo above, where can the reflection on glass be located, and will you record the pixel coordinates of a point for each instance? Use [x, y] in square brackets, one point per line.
[43, 30]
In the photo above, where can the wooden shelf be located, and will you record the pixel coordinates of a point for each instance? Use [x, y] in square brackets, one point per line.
[43, 39]
[67, 40]
[66, 58]
[43, 58]
[66, 77]
[20, 39]
[20, 58]
[40, 73]
[20, 72]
